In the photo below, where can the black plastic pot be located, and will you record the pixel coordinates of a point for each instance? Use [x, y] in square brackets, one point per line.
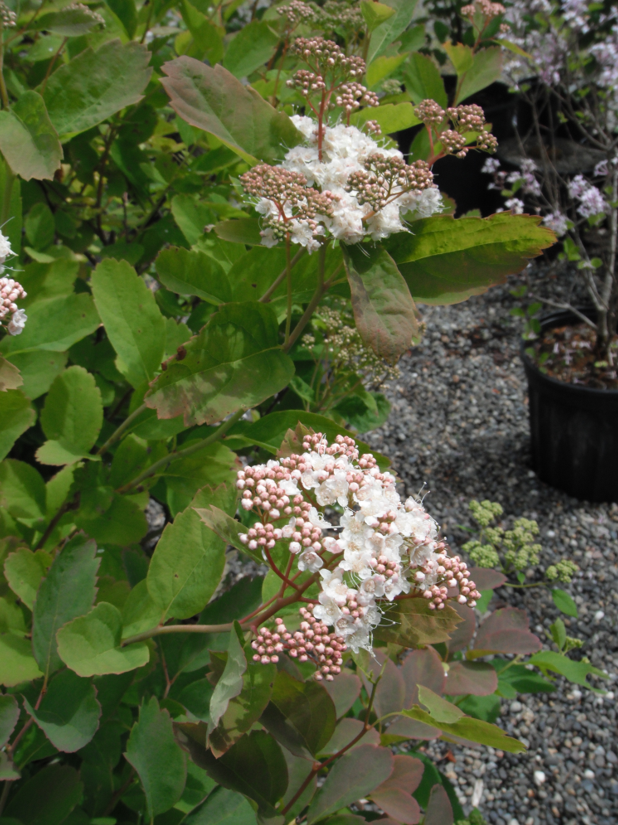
[574, 430]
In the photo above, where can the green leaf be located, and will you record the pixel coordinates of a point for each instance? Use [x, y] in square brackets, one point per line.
[24, 570]
[439, 810]
[485, 707]
[222, 807]
[69, 712]
[40, 226]
[462, 57]
[188, 562]
[193, 273]
[250, 48]
[95, 85]
[133, 321]
[445, 261]
[22, 490]
[16, 416]
[211, 466]
[17, 664]
[110, 518]
[69, 22]
[90, 645]
[48, 797]
[384, 311]
[241, 230]
[353, 776]
[360, 416]
[54, 325]
[474, 730]
[254, 766]
[440, 709]
[375, 13]
[564, 602]
[486, 69]
[10, 376]
[423, 80]
[158, 759]
[245, 709]
[140, 613]
[301, 715]
[9, 714]
[28, 140]
[575, 672]
[234, 362]
[230, 682]
[226, 528]
[413, 624]
[392, 117]
[390, 30]
[71, 418]
[67, 591]
[518, 679]
[212, 99]
[126, 12]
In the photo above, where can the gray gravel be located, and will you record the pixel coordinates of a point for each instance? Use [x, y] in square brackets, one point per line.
[459, 426]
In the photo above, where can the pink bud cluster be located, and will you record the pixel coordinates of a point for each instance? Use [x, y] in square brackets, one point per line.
[468, 118]
[452, 572]
[488, 9]
[430, 112]
[312, 641]
[8, 18]
[372, 127]
[386, 178]
[296, 12]
[464, 119]
[325, 56]
[352, 95]
[10, 292]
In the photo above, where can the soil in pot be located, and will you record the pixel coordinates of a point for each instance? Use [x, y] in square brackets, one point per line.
[573, 426]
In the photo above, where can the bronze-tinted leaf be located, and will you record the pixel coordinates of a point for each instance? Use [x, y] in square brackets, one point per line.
[505, 631]
[477, 678]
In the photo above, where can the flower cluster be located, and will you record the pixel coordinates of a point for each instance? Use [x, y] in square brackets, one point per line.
[290, 207]
[10, 292]
[351, 96]
[384, 179]
[8, 18]
[335, 16]
[385, 547]
[464, 119]
[83, 8]
[486, 8]
[312, 641]
[345, 151]
[563, 571]
[296, 12]
[591, 201]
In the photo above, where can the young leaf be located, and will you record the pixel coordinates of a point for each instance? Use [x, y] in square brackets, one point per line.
[91, 644]
[9, 714]
[71, 418]
[235, 361]
[188, 562]
[126, 12]
[47, 798]
[67, 591]
[95, 85]
[384, 311]
[158, 759]
[440, 709]
[17, 664]
[423, 80]
[375, 14]
[55, 324]
[69, 22]
[222, 807]
[16, 416]
[564, 602]
[392, 117]
[231, 680]
[24, 570]
[132, 319]
[485, 70]
[575, 672]
[189, 272]
[69, 712]
[10, 377]
[28, 140]
[301, 715]
[352, 777]
[444, 260]
[475, 730]
[476, 678]
[250, 48]
[415, 625]
[505, 631]
[391, 690]
[214, 100]
[390, 29]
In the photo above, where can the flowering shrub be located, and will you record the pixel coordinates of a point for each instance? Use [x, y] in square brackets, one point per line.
[218, 247]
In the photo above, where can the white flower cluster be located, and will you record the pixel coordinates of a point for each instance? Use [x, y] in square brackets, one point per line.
[591, 201]
[344, 150]
[10, 291]
[385, 547]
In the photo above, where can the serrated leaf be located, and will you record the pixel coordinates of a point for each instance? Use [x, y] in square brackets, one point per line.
[10, 376]
[69, 712]
[158, 759]
[234, 361]
[67, 591]
[71, 418]
[352, 777]
[91, 644]
[24, 570]
[384, 311]
[485, 70]
[54, 325]
[392, 117]
[212, 99]
[16, 416]
[133, 321]
[242, 230]
[375, 13]
[189, 272]
[95, 85]
[17, 664]
[250, 48]
[69, 22]
[413, 624]
[230, 681]
[423, 80]
[391, 28]
[445, 261]
[28, 140]
[139, 612]
[9, 714]
[188, 562]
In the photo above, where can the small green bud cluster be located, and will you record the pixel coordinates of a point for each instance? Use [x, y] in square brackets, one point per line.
[484, 512]
[483, 555]
[562, 571]
[475, 817]
[334, 16]
[518, 543]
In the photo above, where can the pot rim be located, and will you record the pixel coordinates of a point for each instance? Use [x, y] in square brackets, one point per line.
[559, 316]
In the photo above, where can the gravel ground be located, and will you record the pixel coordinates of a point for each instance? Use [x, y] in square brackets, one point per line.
[459, 425]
